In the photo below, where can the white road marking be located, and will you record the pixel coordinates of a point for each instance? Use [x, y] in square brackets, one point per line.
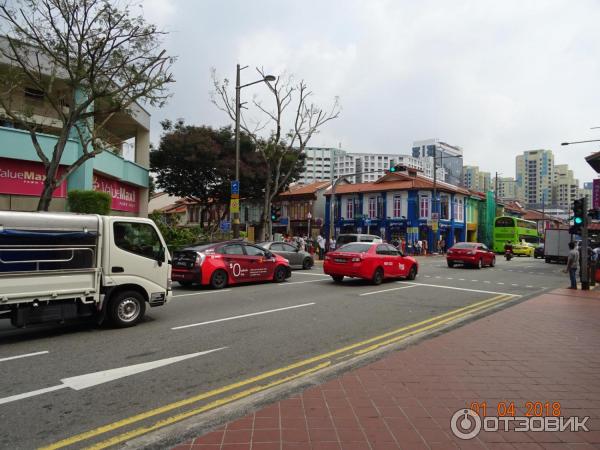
[427, 276]
[202, 293]
[514, 284]
[528, 286]
[242, 316]
[93, 379]
[25, 355]
[461, 279]
[459, 289]
[450, 278]
[387, 290]
[500, 282]
[486, 281]
[475, 281]
[299, 282]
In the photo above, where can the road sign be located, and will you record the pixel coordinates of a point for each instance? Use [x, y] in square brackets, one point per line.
[235, 187]
[367, 221]
[225, 225]
[234, 205]
[434, 225]
[284, 220]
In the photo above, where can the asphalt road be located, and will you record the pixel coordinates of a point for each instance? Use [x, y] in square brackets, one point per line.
[281, 324]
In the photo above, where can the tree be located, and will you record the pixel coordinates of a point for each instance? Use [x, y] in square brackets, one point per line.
[88, 60]
[280, 150]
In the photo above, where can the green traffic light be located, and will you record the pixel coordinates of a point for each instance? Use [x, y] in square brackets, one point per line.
[578, 220]
[392, 169]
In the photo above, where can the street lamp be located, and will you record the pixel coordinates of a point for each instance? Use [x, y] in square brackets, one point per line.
[238, 88]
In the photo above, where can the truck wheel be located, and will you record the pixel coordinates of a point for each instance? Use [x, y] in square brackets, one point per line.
[126, 309]
[218, 280]
[548, 261]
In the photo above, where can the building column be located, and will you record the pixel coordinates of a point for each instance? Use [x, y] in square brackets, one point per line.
[83, 177]
[142, 147]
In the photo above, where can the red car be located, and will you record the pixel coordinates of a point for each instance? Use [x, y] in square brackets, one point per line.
[371, 261]
[471, 253]
[224, 263]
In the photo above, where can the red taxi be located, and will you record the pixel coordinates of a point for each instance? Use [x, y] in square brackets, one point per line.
[371, 261]
[470, 254]
[224, 263]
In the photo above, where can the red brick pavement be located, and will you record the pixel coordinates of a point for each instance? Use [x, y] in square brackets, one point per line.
[544, 349]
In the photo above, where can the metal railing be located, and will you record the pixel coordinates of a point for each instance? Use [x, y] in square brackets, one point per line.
[58, 260]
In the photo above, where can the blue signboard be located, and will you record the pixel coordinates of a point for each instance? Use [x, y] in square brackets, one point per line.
[225, 225]
[367, 221]
[235, 187]
[284, 220]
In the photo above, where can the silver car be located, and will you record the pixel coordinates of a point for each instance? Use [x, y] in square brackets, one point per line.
[298, 259]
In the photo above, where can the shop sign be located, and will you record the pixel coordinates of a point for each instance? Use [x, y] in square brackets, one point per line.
[596, 194]
[125, 197]
[21, 177]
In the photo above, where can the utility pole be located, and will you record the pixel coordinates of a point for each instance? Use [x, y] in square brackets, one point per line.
[496, 189]
[434, 200]
[585, 275]
[236, 213]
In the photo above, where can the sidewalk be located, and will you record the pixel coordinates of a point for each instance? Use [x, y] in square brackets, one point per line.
[546, 349]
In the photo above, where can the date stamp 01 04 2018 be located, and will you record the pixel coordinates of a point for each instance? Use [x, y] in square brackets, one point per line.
[468, 422]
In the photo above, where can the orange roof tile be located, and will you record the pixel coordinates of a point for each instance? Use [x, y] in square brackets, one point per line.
[306, 189]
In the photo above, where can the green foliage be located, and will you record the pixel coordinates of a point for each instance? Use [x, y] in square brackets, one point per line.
[89, 202]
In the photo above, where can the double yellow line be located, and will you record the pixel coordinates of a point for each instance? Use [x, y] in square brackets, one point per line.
[359, 348]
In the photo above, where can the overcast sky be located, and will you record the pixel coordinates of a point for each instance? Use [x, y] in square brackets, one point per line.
[495, 78]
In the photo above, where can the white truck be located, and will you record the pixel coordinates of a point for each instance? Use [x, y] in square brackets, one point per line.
[556, 245]
[56, 267]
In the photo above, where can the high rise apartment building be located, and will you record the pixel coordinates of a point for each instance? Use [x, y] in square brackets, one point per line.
[473, 178]
[448, 156]
[535, 177]
[565, 188]
[319, 163]
[507, 188]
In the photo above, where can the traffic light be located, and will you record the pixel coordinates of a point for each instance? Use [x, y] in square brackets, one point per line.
[578, 215]
[392, 165]
[275, 213]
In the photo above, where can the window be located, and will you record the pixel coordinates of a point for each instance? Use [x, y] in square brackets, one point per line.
[460, 210]
[397, 206]
[355, 248]
[350, 208]
[233, 249]
[138, 238]
[34, 94]
[288, 248]
[372, 207]
[254, 251]
[277, 247]
[424, 207]
[444, 207]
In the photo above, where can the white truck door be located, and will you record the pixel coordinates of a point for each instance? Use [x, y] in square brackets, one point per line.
[138, 256]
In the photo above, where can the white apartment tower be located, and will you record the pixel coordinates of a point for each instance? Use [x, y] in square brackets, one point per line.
[535, 176]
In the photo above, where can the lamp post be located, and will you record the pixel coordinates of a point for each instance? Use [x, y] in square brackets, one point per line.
[238, 88]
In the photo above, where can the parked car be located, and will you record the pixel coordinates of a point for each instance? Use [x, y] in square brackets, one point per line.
[523, 249]
[231, 262]
[473, 254]
[539, 251]
[344, 239]
[371, 261]
[298, 259]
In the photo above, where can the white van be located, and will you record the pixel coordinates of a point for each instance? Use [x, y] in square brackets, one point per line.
[60, 266]
[344, 239]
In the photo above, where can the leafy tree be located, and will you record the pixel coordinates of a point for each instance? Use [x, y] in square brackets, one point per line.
[89, 202]
[198, 162]
[87, 60]
[280, 150]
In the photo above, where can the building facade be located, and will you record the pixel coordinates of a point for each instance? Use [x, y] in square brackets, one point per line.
[302, 209]
[448, 156]
[400, 206]
[320, 164]
[475, 179]
[565, 188]
[534, 177]
[507, 188]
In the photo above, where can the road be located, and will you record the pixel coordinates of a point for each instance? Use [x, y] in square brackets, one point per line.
[57, 381]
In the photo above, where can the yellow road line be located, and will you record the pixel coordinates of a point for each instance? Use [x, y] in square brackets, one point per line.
[178, 404]
[223, 401]
[498, 299]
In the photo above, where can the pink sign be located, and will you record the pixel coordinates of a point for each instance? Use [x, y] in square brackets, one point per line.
[124, 196]
[596, 194]
[21, 177]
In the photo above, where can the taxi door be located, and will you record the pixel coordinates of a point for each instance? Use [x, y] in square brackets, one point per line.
[402, 266]
[236, 262]
[259, 266]
[382, 253]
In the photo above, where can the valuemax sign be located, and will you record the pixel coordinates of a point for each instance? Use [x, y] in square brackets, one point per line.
[25, 178]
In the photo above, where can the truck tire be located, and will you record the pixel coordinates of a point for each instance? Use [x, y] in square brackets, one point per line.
[126, 309]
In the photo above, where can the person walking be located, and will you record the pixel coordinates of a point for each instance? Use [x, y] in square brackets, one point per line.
[572, 262]
[321, 244]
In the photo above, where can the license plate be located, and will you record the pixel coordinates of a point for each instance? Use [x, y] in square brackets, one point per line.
[340, 260]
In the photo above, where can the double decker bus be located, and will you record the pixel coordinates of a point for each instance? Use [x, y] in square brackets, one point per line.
[515, 230]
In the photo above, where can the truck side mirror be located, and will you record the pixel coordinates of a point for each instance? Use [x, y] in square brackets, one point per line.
[160, 256]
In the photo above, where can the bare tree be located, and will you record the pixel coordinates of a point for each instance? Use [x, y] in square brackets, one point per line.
[280, 149]
[88, 60]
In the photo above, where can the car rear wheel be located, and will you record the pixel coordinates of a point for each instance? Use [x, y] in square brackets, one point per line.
[412, 274]
[493, 263]
[337, 278]
[280, 273]
[307, 263]
[377, 276]
[218, 280]
[479, 264]
[450, 263]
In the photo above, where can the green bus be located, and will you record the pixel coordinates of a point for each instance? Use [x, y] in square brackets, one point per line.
[515, 230]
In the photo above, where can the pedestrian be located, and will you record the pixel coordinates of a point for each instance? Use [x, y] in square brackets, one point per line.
[572, 262]
[403, 246]
[425, 246]
[419, 247]
[332, 244]
[321, 244]
[443, 245]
